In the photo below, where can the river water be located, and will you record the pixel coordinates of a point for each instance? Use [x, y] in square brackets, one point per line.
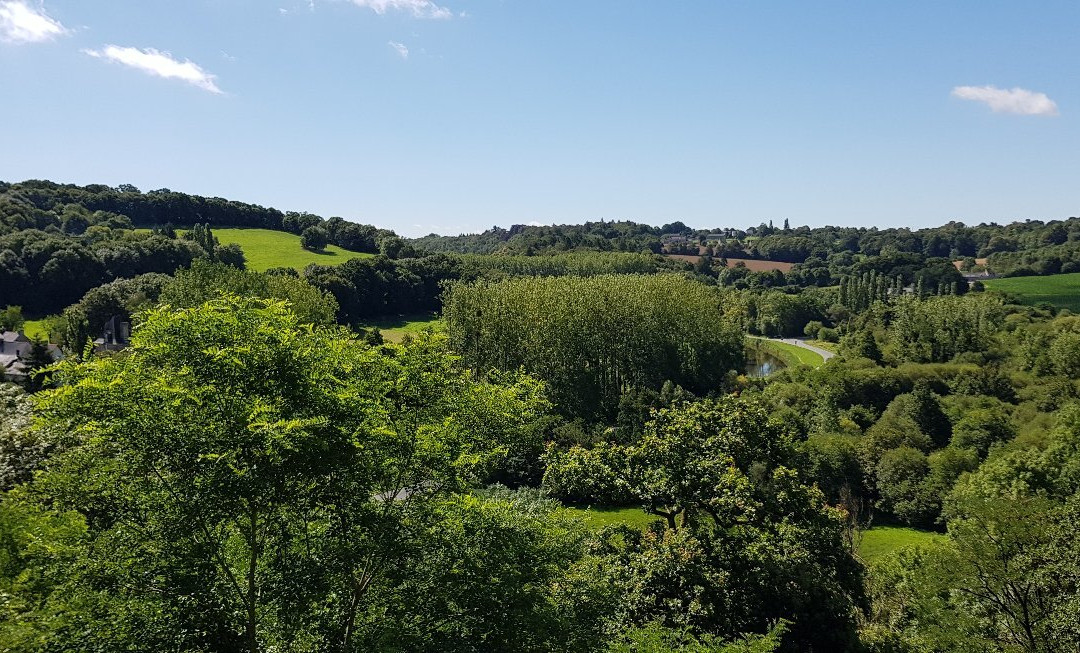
[759, 363]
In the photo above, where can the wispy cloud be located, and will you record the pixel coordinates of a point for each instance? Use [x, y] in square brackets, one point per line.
[1016, 100]
[400, 48]
[20, 23]
[161, 64]
[418, 8]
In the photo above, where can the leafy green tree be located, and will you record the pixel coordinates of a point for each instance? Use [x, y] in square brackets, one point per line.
[899, 477]
[314, 238]
[1065, 354]
[719, 473]
[981, 428]
[205, 281]
[290, 489]
[590, 339]
[11, 318]
[1006, 579]
[833, 464]
[860, 344]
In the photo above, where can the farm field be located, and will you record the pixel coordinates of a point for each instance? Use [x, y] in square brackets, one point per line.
[881, 540]
[1062, 290]
[753, 265]
[790, 354]
[395, 329]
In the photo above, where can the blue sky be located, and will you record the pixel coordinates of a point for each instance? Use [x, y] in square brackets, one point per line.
[451, 116]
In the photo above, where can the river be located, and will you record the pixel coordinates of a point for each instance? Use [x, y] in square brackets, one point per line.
[759, 363]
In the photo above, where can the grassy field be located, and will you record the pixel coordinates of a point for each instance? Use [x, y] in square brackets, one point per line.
[876, 542]
[881, 540]
[395, 329]
[790, 354]
[1061, 290]
[35, 328]
[827, 346]
[265, 249]
[597, 518]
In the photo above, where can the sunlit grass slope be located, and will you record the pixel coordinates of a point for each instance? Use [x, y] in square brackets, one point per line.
[265, 249]
[1061, 290]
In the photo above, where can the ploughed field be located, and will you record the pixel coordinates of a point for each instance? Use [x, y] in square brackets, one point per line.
[1061, 290]
[754, 265]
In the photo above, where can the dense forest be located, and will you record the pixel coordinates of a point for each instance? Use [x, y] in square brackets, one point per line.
[573, 457]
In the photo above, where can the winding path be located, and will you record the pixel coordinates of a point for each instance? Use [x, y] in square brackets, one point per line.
[799, 342]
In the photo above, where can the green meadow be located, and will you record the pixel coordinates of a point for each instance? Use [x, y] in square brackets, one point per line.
[881, 540]
[1062, 290]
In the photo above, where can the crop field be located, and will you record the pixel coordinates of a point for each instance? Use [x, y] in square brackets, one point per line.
[1062, 290]
[791, 355]
[881, 540]
[394, 329]
[753, 265]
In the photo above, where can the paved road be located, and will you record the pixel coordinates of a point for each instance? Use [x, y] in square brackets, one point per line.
[799, 342]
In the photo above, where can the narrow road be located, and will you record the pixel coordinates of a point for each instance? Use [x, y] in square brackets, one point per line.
[799, 342]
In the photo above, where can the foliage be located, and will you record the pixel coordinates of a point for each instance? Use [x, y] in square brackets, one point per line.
[291, 489]
[205, 281]
[314, 238]
[11, 318]
[938, 328]
[717, 472]
[589, 338]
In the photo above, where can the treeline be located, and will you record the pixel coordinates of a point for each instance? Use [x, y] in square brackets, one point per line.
[35, 204]
[823, 255]
[44, 271]
[374, 287]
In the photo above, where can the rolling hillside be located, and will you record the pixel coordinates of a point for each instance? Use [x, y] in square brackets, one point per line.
[265, 249]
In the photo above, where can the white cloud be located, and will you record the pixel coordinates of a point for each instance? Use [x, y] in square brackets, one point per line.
[158, 63]
[401, 49]
[534, 223]
[418, 8]
[1016, 100]
[19, 23]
